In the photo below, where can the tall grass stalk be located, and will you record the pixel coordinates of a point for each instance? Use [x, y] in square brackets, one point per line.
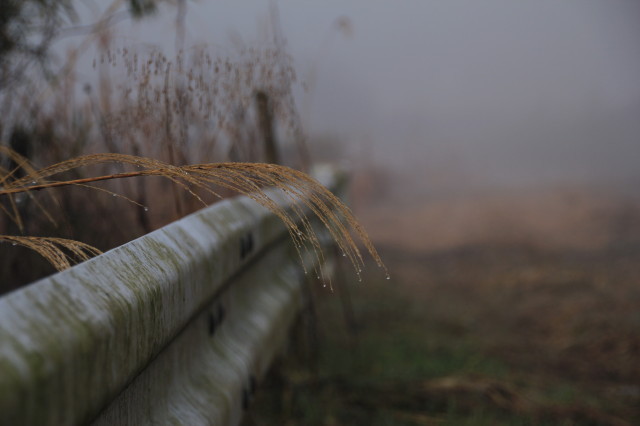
[250, 179]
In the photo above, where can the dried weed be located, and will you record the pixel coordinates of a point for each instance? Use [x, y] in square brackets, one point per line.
[250, 179]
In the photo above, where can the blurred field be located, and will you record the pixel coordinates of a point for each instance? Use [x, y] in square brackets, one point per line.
[506, 308]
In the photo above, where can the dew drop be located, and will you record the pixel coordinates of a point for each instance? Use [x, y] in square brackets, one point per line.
[113, 195]
[388, 276]
[324, 285]
[14, 244]
[33, 182]
[344, 254]
[146, 209]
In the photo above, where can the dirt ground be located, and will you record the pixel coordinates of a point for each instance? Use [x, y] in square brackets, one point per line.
[509, 308]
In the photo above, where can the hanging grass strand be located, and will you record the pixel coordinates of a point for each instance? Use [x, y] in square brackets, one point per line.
[308, 198]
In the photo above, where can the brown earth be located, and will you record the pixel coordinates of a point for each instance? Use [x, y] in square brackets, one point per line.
[546, 281]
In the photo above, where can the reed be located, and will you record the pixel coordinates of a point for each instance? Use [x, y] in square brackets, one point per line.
[250, 179]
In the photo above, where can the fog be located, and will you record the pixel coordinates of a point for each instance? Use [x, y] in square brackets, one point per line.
[495, 91]
[463, 94]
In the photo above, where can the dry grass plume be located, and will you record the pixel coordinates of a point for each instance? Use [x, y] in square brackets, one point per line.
[250, 179]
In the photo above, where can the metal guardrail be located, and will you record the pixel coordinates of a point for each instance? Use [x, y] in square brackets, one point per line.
[174, 327]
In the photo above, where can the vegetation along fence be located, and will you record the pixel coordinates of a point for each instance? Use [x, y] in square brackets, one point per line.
[174, 327]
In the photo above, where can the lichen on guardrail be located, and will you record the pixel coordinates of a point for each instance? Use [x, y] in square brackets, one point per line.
[71, 343]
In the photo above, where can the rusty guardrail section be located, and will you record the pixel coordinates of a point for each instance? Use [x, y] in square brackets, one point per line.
[174, 327]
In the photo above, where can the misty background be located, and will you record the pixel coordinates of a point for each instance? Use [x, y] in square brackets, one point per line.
[493, 150]
[463, 94]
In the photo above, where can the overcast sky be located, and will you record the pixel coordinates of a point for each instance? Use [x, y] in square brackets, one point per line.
[495, 90]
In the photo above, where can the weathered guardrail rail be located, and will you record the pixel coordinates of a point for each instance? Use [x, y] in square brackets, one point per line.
[174, 327]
